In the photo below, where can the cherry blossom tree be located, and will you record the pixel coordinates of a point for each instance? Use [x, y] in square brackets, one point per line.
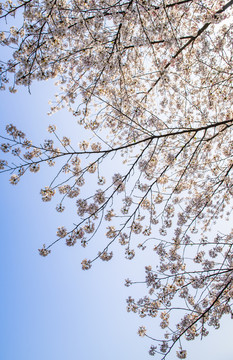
[152, 81]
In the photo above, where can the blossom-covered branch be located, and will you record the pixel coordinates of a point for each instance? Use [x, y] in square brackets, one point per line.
[152, 81]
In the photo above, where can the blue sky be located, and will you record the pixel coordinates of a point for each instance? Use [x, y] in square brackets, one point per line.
[50, 308]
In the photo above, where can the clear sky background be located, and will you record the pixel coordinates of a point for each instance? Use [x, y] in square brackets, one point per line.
[50, 308]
